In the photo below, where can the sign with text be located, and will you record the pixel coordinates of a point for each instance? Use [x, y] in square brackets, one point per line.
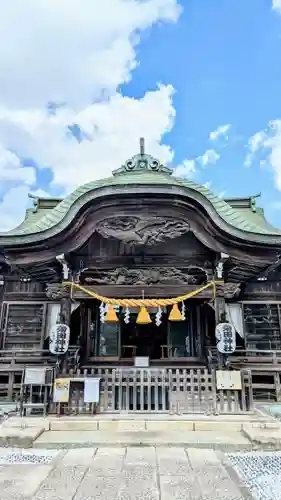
[59, 339]
[61, 390]
[226, 338]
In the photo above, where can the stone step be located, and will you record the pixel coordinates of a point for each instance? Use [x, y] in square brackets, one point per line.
[234, 441]
[114, 423]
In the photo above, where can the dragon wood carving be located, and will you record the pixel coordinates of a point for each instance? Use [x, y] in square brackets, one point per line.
[142, 230]
[148, 276]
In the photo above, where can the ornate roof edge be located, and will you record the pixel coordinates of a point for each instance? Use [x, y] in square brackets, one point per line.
[223, 215]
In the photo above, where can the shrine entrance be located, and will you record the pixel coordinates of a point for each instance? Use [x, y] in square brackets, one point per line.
[164, 340]
[144, 340]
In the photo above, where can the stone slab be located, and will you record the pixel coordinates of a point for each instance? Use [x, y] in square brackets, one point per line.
[119, 473]
[223, 426]
[62, 483]
[18, 482]
[265, 438]
[24, 422]
[180, 488]
[19, 437]
[122, 425]
[73, 425]
[201, 439]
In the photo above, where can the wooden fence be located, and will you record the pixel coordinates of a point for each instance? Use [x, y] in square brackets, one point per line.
[153, 390]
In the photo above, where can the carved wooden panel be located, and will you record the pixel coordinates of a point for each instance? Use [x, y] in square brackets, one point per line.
[111, 261]
[142, 229]
[145, 276]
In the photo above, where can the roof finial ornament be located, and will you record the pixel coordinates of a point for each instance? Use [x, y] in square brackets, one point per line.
[142, 162]
[142, 146]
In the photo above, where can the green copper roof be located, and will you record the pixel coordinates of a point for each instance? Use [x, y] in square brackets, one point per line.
[142, 170]
[243, 219]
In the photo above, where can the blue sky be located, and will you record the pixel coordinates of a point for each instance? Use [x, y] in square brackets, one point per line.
[200, 79]
[223, 59]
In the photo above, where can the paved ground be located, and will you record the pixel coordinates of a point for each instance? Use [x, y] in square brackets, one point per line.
[134, 473]
[138, 474]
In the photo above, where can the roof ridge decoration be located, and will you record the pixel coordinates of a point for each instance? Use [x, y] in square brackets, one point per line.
[142, 162]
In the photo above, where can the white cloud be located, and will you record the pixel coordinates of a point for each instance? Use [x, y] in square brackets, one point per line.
[221, 131]
[190, 168]
[113, 128]
[186, 169]
[276, 4]
[75, 52]
[71, 50]
[254, 144]
[208, 184]
[12, 206]
[269, 140]
[209, 157]
[11, 169]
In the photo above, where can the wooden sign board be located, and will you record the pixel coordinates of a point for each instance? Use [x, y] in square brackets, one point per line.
[229, 380]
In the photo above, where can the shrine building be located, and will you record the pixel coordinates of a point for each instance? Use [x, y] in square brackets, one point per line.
[142, 266]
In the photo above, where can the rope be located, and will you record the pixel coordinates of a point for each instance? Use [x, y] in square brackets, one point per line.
[144, 302]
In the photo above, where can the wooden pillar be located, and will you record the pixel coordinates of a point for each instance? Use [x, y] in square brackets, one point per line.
[65, 310]
[219, 303]
[65, 316]
[219, 309]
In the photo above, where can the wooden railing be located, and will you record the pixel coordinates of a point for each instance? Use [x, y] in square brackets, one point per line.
[249, 357]
[256, 356]
[25, 356]
[157, 390]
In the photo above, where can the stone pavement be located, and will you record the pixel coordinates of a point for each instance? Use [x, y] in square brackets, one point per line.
[133, 473]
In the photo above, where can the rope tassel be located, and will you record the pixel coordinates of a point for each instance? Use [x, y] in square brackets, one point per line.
[175, 314]
[143, 317]
[111, 316]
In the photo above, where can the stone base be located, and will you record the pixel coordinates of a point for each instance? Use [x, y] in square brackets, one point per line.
[265, 437]
[20, 438]
[228, 432]
[143, 422]
[234, 441]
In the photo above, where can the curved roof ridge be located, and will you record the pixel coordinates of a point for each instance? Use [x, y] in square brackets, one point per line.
[228, 214]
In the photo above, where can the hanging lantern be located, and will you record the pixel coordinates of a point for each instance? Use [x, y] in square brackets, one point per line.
[175, 314]
[143, 317]
[111, 316]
